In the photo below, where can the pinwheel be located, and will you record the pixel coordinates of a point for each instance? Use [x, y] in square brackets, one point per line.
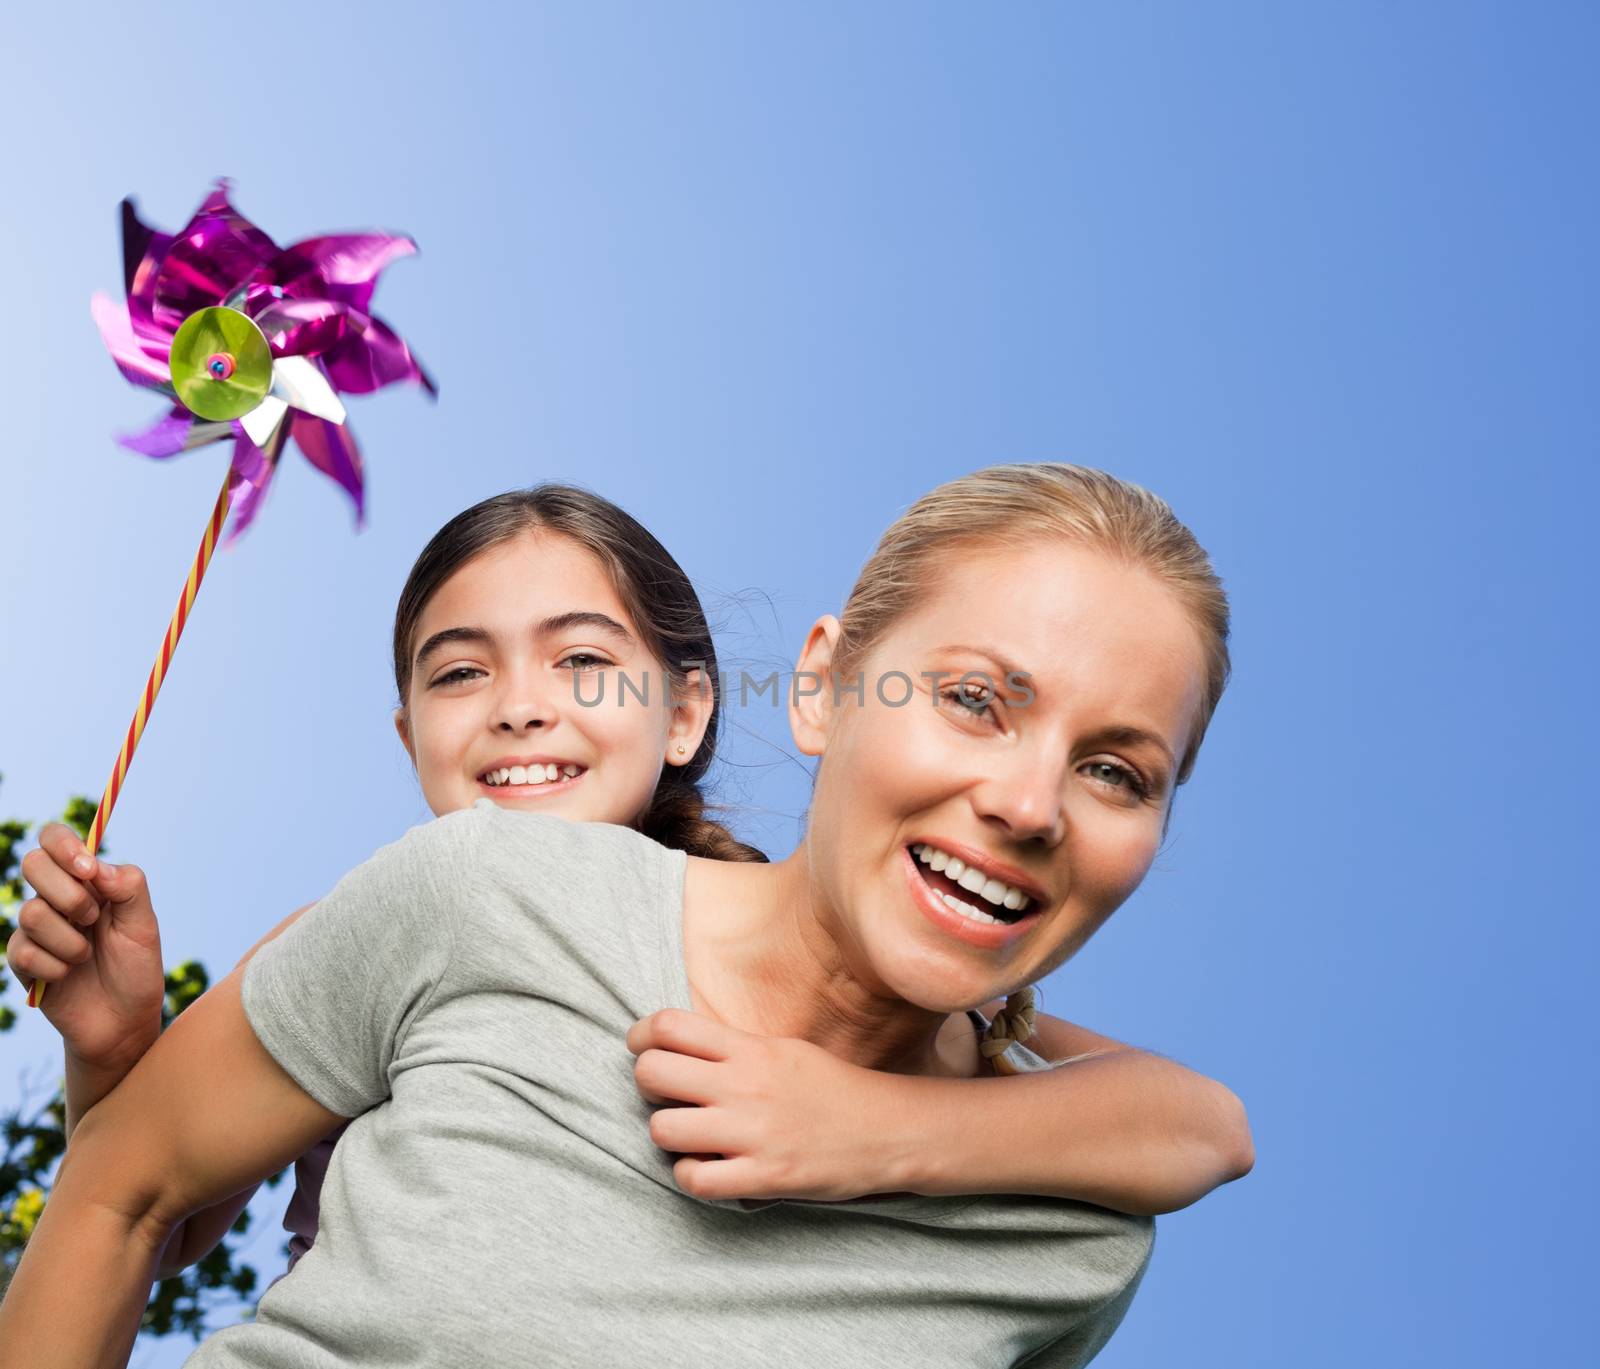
[253, 343]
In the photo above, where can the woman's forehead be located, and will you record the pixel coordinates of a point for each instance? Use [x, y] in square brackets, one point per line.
[1081, 624]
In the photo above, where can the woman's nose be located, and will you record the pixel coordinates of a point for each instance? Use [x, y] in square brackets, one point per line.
[1027, 799]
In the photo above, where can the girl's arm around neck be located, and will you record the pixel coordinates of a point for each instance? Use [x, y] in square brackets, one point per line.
[1110, 1124]
[203, 1115]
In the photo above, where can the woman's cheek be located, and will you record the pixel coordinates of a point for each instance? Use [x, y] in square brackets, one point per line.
[1114, 863]
[909, 753]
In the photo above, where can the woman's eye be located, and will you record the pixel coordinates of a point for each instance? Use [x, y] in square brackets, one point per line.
[450, 677]
[973, 700]
[1115, 776]
[585, 660]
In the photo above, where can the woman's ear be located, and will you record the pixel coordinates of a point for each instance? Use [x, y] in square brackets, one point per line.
[691, 715]
[403, 726]
[811, 700]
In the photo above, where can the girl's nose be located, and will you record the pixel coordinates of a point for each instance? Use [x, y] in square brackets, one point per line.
[523, 705]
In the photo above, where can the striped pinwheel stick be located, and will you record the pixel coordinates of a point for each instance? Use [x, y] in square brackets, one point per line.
[152, 686]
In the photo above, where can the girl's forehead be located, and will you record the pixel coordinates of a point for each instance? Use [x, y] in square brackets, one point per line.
[536, 575]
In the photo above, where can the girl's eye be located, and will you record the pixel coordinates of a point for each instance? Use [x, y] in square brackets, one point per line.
[588, 659]
[1120, 777]
[971, 700]
[452, 676]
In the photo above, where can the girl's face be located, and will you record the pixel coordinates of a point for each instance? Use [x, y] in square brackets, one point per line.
[1058, 799]
[508, 661]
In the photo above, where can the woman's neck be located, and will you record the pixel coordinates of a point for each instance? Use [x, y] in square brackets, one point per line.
[762, 956]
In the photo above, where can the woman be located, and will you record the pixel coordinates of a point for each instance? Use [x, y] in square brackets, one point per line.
[1064, 643]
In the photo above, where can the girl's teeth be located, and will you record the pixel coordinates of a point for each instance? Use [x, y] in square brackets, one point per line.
[545, 772]
[939, 861]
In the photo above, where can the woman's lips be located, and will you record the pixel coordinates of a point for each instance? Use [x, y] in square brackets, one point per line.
[988, 935]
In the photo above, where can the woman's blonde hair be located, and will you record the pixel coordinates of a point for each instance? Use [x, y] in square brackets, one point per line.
[1017, 505]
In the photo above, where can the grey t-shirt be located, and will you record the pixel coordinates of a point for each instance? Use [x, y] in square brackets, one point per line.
[464, 995]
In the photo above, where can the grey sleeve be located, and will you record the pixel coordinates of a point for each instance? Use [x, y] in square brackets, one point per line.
[331, 998]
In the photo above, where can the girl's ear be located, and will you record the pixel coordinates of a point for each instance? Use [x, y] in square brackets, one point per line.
[811, 701]
[691, 715]
[403, 726]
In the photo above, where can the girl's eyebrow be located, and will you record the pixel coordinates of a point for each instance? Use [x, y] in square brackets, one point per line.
[560, 622]
[565, 622]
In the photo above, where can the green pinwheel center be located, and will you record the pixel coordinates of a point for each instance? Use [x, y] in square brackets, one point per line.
[221, 364]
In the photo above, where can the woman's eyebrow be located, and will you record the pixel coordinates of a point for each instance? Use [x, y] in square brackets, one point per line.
[560, 622]
[1133, 736]
[1123, 734]
[1005, 665]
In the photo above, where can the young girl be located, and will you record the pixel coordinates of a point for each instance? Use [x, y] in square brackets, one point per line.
[509, 619]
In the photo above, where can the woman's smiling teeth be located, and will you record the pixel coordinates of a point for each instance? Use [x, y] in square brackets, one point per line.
[993, 891]
[531, 774]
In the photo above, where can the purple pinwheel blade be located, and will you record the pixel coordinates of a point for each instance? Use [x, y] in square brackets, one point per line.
[143, 249]
[331, 448]
[340, 266]
[371, 356]
[219, 251]
[296, 327]
[133, 360]
[140, 244]
[165, 437]
[252, 475]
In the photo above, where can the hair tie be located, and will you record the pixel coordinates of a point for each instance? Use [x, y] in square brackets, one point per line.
[1013, 1024]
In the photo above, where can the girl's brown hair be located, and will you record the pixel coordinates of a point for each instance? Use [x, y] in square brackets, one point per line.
[658, 596]
[1017, 505]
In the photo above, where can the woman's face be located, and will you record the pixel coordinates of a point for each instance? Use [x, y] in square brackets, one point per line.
[508, 661]
[1062, 796]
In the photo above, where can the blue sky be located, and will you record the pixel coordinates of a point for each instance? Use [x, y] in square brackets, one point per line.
[1322, 276]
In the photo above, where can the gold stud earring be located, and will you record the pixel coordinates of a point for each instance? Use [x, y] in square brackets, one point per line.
[680, 751]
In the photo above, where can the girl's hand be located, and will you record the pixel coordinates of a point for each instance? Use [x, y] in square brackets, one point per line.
[775, 1117]
[92, 937]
